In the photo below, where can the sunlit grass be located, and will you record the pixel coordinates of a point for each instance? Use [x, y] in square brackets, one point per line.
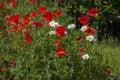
[111, 55]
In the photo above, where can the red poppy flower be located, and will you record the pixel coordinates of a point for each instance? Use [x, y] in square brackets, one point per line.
[108, 70]
[12, 3]
[79, 39]
[60, 31]
[27, 15]
[8, 16]
[25, 20]
[60, 52]
[33, 13]
[83, 20]
[38, 23]
[15, 29]
[27, 38]
[81, 50]
[47, 15]
[92, 12]
[56, 13]
[14, 19]
[4, 68]
[90, 30]
[41, 9]
[16, 16]
[26, 31]
[33, 1]
[1, 4]
[12, 62]
[57, 42]
[21, 25]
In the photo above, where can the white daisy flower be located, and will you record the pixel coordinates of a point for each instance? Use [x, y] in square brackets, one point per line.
[85, 56]
[52, 32]
[53, 23]
[71, 26]
[90, 37]
[83, 28]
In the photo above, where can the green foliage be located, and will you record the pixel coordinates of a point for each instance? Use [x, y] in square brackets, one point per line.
[37, 60]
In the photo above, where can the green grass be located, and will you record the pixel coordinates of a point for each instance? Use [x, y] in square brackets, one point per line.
[111, 55]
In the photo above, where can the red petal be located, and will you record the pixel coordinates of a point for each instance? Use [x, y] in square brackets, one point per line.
[41, 9]
[83, 20]
[4, 68]
[27, 38]
[12, 3]
[92, 12]
[38, 23]
[60, 31]
[81, 50]
[79, 39]
[47, 16]
[1, 4]
[56, 13]
[60, 52]
[57, 42]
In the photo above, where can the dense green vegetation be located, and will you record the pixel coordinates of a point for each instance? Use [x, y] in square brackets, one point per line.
[56, 40]
[111, 54]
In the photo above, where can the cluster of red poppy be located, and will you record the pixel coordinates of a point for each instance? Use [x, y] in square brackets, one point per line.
[16, 23]
[84, 20]
[60, 31]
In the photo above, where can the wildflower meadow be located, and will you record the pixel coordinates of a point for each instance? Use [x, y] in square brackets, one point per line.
[43, 40]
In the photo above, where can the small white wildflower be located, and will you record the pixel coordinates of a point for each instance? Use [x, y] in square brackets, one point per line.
[71, 26]
[83, 28]
[85, 56]
[52, 32]
[90, 37]
[53, 23]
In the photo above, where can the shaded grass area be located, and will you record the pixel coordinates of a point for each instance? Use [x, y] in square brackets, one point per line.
[111, 55]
